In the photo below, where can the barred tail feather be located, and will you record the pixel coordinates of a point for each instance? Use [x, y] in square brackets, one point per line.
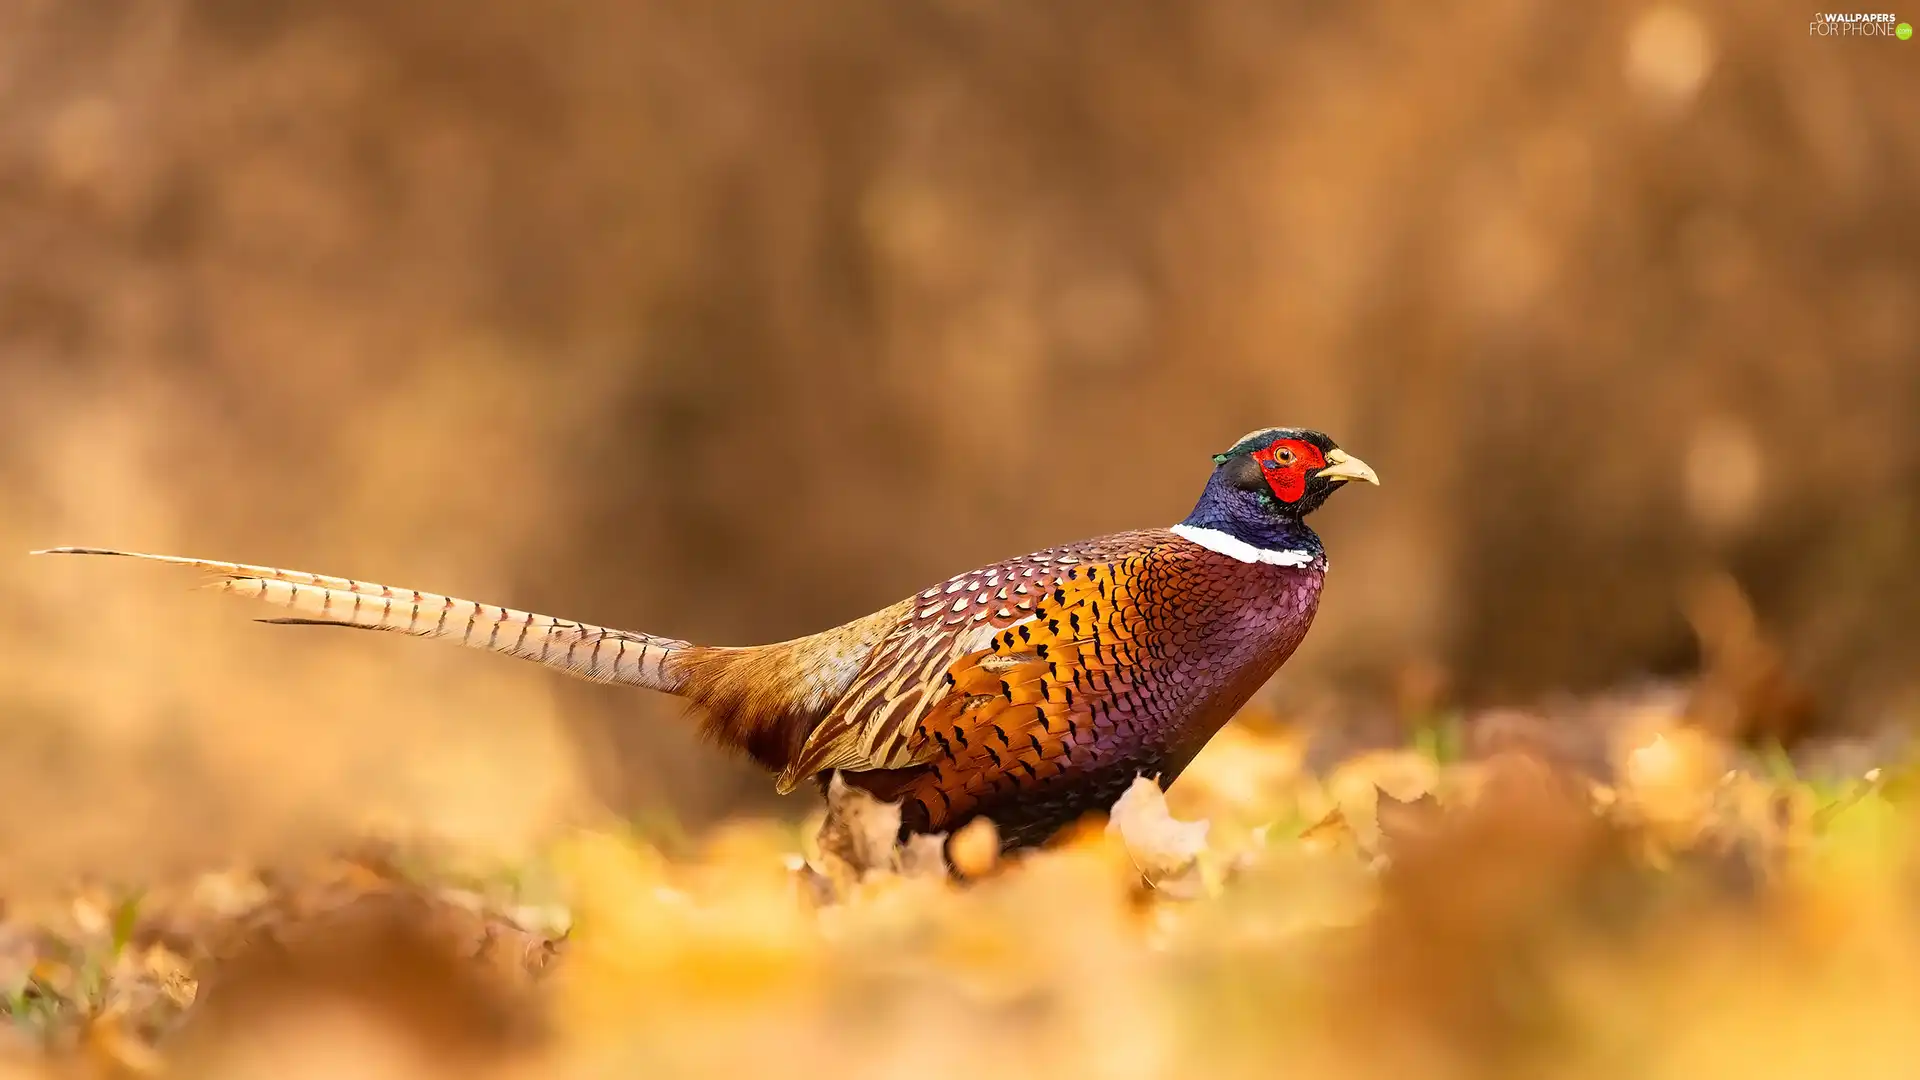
[591, 652]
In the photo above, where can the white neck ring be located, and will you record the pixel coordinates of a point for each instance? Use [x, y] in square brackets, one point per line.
[1235, 548]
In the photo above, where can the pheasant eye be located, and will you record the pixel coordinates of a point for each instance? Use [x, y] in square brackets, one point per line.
[1284, 457]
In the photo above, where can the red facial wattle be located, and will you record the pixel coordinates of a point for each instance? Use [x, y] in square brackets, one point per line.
[1286, 464]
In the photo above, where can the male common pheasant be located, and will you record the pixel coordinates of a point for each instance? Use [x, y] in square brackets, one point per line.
[1032, 691]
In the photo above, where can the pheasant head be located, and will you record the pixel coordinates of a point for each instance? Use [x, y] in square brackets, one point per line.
[1255, 503]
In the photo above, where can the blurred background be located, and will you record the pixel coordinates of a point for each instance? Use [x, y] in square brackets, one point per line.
[732, 321]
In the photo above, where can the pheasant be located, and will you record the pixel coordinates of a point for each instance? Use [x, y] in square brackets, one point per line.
[1032, 691]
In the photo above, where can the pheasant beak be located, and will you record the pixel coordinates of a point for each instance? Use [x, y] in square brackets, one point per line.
[1344, 466]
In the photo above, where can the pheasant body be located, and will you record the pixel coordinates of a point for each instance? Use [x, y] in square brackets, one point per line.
[1139, 648]
[1032, 691]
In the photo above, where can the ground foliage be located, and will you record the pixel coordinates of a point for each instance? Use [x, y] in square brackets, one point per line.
[1696, 911]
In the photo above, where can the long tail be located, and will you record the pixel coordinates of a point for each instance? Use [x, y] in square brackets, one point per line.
[591, 652]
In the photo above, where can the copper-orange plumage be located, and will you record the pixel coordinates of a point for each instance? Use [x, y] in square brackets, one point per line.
[1032, 691]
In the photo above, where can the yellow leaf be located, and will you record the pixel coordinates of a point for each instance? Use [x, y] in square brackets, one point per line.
[1330, 834]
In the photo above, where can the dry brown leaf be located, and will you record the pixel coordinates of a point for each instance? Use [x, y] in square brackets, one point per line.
[860, 834]
[1330, 834]
[1403, 822]
[1356, 785]
[1168, 851]
[924, 856]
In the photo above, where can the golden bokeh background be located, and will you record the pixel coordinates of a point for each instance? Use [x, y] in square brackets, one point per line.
[732, 321]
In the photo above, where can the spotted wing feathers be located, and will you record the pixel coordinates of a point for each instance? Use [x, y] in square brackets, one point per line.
[1049, 695]
[873, 725]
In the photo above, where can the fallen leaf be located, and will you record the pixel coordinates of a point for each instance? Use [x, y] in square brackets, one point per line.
[1330, 834]
[924, 856]
[860, 832]
[1405, 821]
[1167, 851]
